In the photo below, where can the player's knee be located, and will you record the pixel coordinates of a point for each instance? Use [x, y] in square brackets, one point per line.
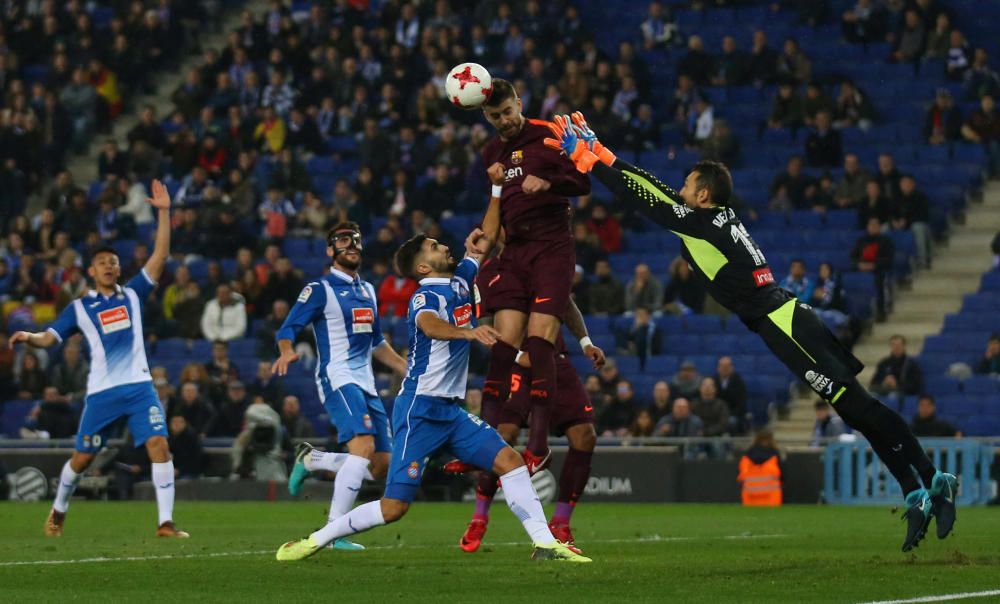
[81, 461]
[393, 509]
[582, 437]
[507, 459]
[362, 446]
[158, 449]
[543, 326]
[379, 467]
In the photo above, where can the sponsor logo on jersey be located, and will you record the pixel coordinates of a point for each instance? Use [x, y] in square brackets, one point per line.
[364, 318]
[819, 382]
[517, 157]
[114, 319]
[513, 173]
[762, 277]
[306, 292]
[414, 470]
[681, 210]
[367, 419]
[419, 301]
[463, 315]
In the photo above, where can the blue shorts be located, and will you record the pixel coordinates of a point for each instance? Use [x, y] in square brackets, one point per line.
[422, 425]
[354, 412]
[136, 401]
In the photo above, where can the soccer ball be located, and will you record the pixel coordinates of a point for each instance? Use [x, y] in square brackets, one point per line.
[468, 85]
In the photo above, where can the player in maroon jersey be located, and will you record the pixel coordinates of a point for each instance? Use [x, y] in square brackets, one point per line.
[535, 273]
[572, 415]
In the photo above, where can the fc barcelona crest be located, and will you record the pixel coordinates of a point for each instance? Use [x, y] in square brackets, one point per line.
[517, 157]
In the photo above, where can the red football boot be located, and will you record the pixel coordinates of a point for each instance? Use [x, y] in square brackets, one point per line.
[535, 463]
[473, 536]
[457, 466]
[564, 535]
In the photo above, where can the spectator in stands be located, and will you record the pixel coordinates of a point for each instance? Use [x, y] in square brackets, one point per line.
[148, 130]
[864, 23]
[873, 253]
[733, 390]
[661, 400]
[794, 181]
[939, 38]
[276, 213]
[56, 415]
[853, 108]
[221, 371]
[696, 64]
[270, 133]
[644, 289]
[701, 123]
[642, 426]
[787, 110]
[687, 381]
[897, 374]
[267, 385]
[873, 204]
[730, 65]
[282, 284]
[959, 56]
[186, 448]
[680, 423]
[686, 94]
[816, 100]
[823, 147]
[225, 316]
[909, 44]
[658, 29]
[292, 421]
[983, 127]
[617, 415]
[793, 63]
[188, 310]
[111, 162]
[79, 98]
[198, 413]
[981, 79]
[888, 176]
[70, 376]
[944, 121]
[394, 294]
[762, 62]
[712, 410]
[827, 425]
[229, 410]
[607, 228]
[29, 378]
[606, 293]
[911, 210]
[607, 381]
[588, 250]
[6, 281]
[851, 186]
[927, 424]
[797, 282]
[989, 363]
[644, 338]
[685, 293]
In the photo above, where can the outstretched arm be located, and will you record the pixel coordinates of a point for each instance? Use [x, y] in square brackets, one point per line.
[42, 339]
[161, 249]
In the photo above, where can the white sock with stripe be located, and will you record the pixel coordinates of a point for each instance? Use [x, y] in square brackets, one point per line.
[524, 503]
[68, 480]
[163, 481]
[347, 484]
[329, 462]
[357, 520]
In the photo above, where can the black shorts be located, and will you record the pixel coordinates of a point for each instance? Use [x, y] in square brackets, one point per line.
[803, 343]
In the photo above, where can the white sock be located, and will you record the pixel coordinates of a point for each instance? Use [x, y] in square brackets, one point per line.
[523, 501]
[330, 462]
[357, 520]
[347, 485]
[67, 484]
[163, 480]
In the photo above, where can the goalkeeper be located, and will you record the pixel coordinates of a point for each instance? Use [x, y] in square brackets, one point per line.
[718, 247]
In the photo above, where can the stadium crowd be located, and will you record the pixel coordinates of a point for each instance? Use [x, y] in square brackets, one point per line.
[336, 112]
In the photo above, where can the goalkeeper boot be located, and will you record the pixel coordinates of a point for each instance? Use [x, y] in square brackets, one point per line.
[474, 534]
[944, 489]
[557, 551]
[917, 516]
[298, 550]
[54, 524]
[167, 529]
[299, 470]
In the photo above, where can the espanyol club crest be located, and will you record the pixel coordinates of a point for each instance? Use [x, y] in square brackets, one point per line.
[517, 157]
[414, 470]
[368, 421]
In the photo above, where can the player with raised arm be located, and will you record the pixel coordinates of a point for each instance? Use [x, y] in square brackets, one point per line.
[343, 313]
[572, 416]
[721, 251]
[428, 416]
[119, 384]
[531, 185]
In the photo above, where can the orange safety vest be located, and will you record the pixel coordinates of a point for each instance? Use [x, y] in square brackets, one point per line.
[761, 482]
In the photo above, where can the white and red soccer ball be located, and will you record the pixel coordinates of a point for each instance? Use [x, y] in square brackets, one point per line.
[468, 85]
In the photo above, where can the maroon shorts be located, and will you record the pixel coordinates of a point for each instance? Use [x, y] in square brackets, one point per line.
[572, 404]
[530, 276]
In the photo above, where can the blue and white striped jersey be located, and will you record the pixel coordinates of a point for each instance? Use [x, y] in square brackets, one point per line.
[343, 313]
[440, 368]
[112, 327]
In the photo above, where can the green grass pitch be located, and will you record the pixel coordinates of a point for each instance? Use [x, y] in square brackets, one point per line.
[642, 553]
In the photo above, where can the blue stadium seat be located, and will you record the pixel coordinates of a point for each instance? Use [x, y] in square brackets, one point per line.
[941, 385]
[981, 385]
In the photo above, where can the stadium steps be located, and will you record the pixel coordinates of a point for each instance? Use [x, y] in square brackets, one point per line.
[957, 269]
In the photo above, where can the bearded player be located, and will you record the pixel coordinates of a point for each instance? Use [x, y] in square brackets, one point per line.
[535, 273]
[572, 416]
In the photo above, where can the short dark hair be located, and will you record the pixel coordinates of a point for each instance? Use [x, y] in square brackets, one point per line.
[501, 91]
[407, 254]
[715, 177]
[104, 249]
[994, 337]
